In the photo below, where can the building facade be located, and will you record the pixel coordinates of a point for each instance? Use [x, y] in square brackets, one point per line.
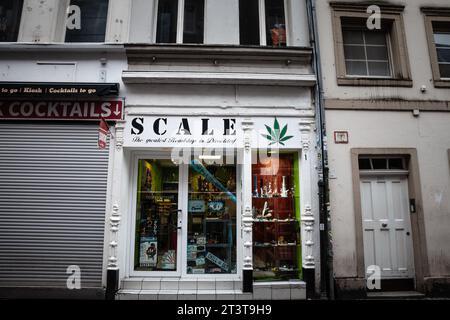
[219, 138]
[208, 187]
[386, 98]
[56, 85]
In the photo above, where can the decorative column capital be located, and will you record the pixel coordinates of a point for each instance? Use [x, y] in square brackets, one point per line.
[305, 127]
[247, 126]
[120, 128]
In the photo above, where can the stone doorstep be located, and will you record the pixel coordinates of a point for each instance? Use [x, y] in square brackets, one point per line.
[280, 285]
[179, 294]
[179, 284]
[208, 289]
[395, 295]
[260, 293]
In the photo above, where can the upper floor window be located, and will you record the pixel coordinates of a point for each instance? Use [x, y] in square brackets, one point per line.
[180, 21]
[262, 22]
[10, 13]
[366, 51]
[93, 17]
[437, 22]
[442, 42]
[375, 56]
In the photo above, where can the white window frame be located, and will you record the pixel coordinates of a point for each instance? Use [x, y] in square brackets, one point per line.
[181, 272]
[262, 22]
[438, 62]
[180, 21]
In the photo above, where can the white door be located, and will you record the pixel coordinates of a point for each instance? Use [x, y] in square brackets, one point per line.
[387, 225]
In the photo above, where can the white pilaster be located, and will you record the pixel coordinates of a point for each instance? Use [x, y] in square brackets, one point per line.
[247, 216]
[307, 217]
[115, 217]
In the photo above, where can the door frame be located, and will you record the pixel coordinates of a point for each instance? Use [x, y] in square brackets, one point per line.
[132, 237]
[421, 267]
[182, 234]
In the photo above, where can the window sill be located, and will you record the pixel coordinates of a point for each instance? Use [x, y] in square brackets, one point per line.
[225, 78]
[377, 82]
[442, 83]
[60, 46]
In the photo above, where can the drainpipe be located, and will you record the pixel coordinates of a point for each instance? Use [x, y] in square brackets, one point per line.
[326, 250]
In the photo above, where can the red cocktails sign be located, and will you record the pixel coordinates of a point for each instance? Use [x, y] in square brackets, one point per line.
[61, 110]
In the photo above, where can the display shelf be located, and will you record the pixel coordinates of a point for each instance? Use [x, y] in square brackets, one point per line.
[276, 228]
[218, 245]
[263, 245]
[276, 220]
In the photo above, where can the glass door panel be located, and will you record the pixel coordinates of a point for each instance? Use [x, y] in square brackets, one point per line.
[157, 214]
[211, 232]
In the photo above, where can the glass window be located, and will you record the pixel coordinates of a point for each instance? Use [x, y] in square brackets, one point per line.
[442, 42]
[366, 51]
[168, 24]
[275, 23]
[397, 164]
[276, 228]
[156, 216]
[194, 11]
[166, 30]
[250, 26]
[379, 164]
[10, 14]
[364, 164]
[94, 15]
[249, 22]
[211, 242]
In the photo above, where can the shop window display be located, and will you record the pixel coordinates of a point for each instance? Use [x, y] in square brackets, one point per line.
[211, 241]
[156, 219]
[276, 213]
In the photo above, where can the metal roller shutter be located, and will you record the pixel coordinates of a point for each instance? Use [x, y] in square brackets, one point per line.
[53, 181]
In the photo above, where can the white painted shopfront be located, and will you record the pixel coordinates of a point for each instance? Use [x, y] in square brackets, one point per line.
[180, 147]
[234, 151]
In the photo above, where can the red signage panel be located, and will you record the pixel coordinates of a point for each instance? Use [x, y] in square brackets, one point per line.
[61, 110]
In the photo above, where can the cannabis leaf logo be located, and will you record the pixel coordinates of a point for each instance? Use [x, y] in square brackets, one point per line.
[276, 135]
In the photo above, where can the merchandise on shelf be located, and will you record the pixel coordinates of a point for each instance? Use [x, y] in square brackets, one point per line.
[276, 228]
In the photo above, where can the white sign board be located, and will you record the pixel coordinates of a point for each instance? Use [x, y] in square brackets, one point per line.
[210, 132]
[276, 133]
[183, 132]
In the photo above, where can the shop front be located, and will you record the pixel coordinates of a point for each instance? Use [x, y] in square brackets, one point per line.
[53, 187]
[213, 203]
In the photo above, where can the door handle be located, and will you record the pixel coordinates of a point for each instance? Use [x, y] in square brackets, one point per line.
[384, 225]
[179, 219]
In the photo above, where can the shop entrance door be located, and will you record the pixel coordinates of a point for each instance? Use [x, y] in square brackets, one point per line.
[158, 217]
[185, 218]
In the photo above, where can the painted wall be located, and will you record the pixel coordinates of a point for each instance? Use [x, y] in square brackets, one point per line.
[417, 50]
[43, 21]
[429, 133]
[61, 65]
